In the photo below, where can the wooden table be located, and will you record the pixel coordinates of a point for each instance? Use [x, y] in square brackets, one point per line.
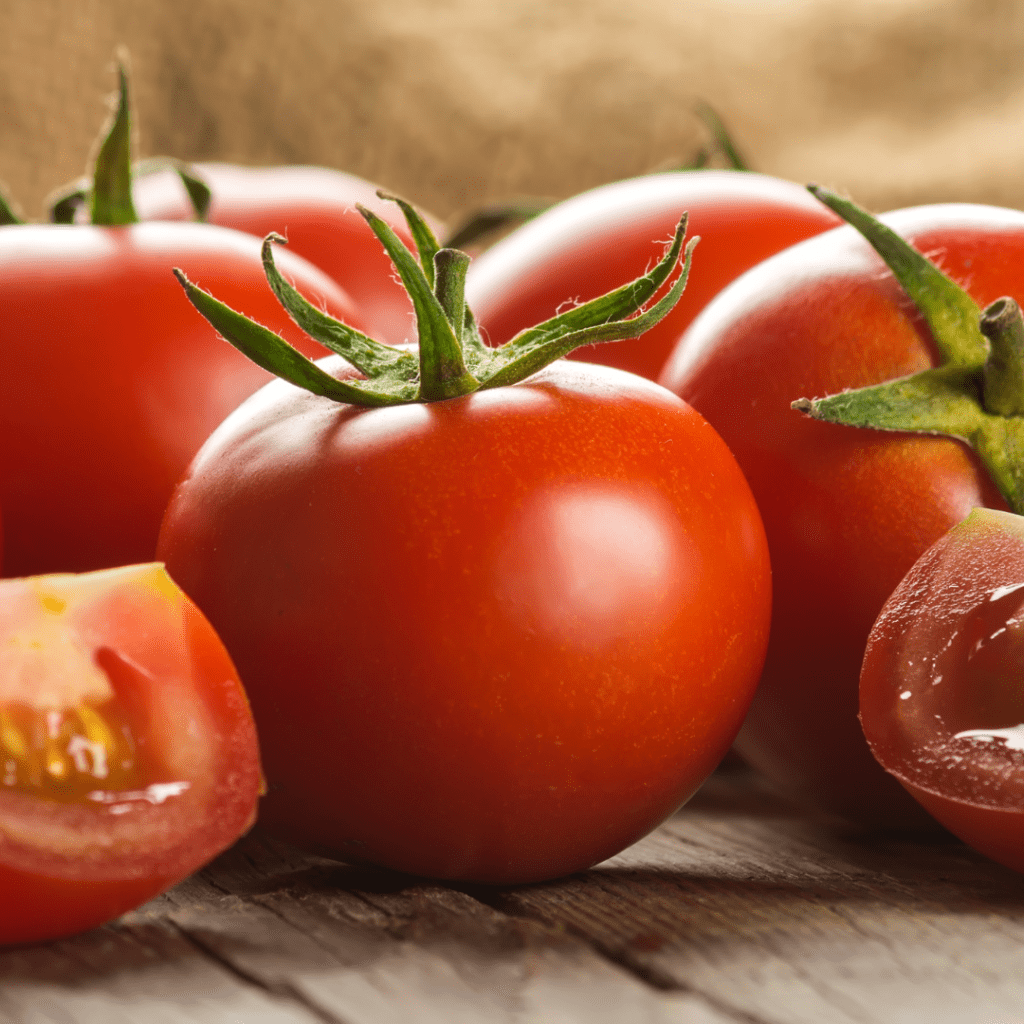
[740, 910]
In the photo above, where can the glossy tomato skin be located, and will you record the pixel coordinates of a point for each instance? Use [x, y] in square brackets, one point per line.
[940, 695]
[588, 245]
[495, 638]
[315, 209]
[111, 381]
[176, 785]
[846, 511]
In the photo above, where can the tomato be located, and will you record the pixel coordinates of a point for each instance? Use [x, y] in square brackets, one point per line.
[497, 637]
[127, 749]
[940, 694]
[111, 383]
[314, 208]
[847, 512]
[585, 246]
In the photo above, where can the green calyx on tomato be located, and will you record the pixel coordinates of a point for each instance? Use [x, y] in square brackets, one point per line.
[109, 193]
[452, 357]
[976, 394]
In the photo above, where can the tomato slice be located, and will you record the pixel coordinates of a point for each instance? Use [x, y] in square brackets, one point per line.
[940, 695]
[128, 754]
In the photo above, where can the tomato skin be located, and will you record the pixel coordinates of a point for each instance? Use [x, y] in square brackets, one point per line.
[70, 865]
[111, 381]
[457, 667]
[315, 209]
[846, 511]
[588, 245]
[944, 658]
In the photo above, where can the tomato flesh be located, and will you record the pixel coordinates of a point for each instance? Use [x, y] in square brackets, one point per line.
[940, 694]
[498, 637]
[128, 752]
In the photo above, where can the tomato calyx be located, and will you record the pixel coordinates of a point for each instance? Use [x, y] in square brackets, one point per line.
[109, 192]
[976, 394]
[452, 357]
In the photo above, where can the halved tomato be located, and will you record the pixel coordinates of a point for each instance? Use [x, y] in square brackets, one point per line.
[128, 754]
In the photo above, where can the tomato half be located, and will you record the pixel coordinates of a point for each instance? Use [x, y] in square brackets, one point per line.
[128, 754]
[940, 694]
[847, 512]
[497, 637]
[587, 245]
[315, 209]
[111, 383]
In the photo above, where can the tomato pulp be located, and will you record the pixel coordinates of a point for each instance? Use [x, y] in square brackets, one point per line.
[846, 511]
[111, 383]
[315, 209]
[497, 637]
[127, 749]
[587, 245]
[940, 694]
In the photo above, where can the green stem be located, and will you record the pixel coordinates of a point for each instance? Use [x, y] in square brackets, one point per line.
[443, 372]
[111, 198]
[1003, 373]
[450, 268]
[720, 135]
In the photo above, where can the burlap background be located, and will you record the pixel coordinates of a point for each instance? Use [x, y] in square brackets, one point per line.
[455, 101]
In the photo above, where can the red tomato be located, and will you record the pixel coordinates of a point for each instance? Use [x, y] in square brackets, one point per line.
[941, 700]
[846, 511]
[111, 383]
[127, 749]
[589, 244]
[497, 637]
[315, 209]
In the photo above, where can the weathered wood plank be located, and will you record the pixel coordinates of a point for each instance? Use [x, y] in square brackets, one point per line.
[783, 919]
[740, 910]
[370, 946]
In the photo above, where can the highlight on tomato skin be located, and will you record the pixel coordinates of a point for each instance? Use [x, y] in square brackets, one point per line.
[940, 696]
[128, 753]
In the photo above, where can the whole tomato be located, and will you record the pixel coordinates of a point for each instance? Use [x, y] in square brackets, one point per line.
[111, 383]
[584, 246]
[940, 694]
[315, 209]
[847, 512]
[127, 749]
[495, 636]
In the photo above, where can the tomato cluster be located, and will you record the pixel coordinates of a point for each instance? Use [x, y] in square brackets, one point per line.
[498, 613]
[483, 601]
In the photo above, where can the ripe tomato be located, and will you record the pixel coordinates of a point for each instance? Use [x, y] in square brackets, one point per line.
[497, 637]
[315, 209]
[940, 693]
[846, 511]
[128, 754]
[111, 383]
[589, 244]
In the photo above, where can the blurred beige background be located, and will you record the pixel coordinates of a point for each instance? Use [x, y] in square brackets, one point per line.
[453, 102]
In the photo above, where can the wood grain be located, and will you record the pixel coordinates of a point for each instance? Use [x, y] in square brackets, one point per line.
[741, 908]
